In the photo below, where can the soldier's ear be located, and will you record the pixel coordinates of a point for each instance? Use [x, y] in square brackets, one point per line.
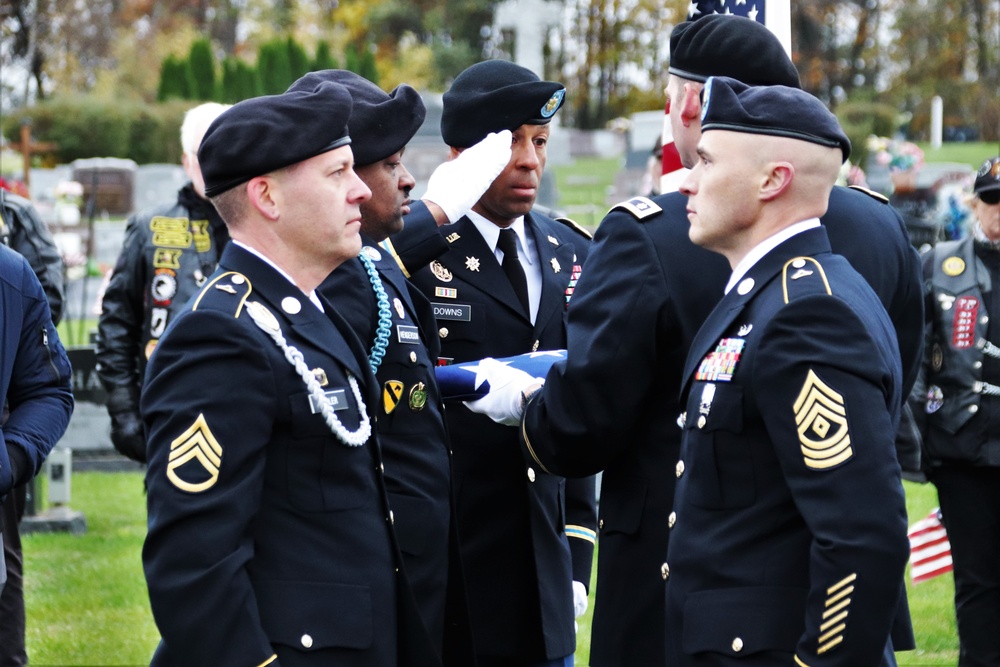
[777, 179]
[261, 191]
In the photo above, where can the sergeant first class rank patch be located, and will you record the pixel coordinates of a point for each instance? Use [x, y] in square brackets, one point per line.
[821, 421]
[195, 458]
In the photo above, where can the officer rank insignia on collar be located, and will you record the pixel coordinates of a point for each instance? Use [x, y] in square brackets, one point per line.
[195, 458]
[821, 422]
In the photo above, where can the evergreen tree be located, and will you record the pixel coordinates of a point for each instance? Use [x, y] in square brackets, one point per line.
[298, 59]
[202, 64]
[351, 59]
[174, 80]
[366, 65]
[324, 58]
[273, 67]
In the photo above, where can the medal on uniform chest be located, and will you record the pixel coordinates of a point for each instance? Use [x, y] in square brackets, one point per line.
[720, 364]
[705, 406]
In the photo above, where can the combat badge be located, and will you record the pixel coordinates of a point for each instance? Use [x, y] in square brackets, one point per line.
[195, 458]
[720, 364]
[440, 272]
[392, 391]
[418, 397]
[821, 421]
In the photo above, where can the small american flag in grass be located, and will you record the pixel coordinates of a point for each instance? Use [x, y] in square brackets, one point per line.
[930, 551]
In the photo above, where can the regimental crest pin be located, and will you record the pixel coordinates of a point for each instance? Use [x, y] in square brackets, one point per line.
[418, 397]
[440, 272]
[821, 422]
[555, 265]
[398, 305]
[195, 458]
[472, 263]
[744, 330]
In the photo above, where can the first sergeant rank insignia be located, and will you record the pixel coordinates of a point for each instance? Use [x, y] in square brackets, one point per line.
[821, 421]
[195, 458]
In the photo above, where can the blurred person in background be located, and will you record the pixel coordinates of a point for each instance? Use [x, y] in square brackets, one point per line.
[956, 403]
[167, 254]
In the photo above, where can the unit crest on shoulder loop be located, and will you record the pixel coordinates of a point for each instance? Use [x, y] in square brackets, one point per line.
[226, 292]
[801, 276]
[575, 226]
[640, 207]
[877, 196]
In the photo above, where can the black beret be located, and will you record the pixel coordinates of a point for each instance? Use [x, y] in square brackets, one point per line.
[733, 46]
[263, 134]
[496, 95]
[381, 123]
[988, 176]
[778, 111]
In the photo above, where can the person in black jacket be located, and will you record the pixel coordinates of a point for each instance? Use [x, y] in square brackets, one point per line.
[23, 230]
[646, 290]
[167, 254]
[957, 406]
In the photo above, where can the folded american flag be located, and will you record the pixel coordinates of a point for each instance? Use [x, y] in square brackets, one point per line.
[930, 551]
[463, 382]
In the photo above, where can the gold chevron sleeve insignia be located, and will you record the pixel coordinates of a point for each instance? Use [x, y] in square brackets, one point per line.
[821, 421]
[838, 607]
[195, 458]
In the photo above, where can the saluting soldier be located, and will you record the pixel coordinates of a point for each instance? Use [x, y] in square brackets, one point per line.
[395, 323]
[270, 537]
[501, 288]
[788, 536]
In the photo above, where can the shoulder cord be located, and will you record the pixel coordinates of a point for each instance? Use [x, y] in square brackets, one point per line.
[384, 316]
[295, 358]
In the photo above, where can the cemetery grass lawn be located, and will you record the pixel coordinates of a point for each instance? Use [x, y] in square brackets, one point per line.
[87, 603]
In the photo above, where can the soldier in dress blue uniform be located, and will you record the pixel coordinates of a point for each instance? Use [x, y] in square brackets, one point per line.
[270, 537]
[645, 292]
[788, 535]
[395, 323]
[526, 537]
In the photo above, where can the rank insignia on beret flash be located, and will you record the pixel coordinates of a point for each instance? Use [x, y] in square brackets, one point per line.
[821, 421]
[195, 458]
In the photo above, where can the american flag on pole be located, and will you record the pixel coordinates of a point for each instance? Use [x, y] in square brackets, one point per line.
[930, 551]
[775, 15]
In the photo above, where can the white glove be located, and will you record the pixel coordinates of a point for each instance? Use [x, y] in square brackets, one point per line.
[505, 402]
[458, 184]
[579, 599]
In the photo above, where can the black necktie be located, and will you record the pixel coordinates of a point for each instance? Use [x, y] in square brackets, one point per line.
[512, 266]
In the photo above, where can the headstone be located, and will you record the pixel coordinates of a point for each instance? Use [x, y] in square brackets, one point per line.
[157, 184]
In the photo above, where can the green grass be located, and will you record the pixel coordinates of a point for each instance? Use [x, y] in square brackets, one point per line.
[87, 604]
[972, 153]
[85, 594]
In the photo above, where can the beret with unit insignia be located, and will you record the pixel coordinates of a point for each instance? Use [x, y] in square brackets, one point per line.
[496, 95]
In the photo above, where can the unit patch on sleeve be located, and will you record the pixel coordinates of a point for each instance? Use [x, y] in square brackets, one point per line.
[821, 421]
[195, 458]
